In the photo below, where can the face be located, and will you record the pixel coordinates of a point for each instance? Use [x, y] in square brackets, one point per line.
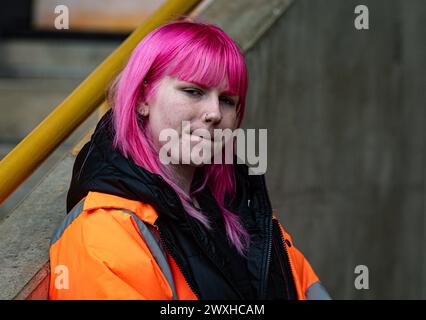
[190, 110]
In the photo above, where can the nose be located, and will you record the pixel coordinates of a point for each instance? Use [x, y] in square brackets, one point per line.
[212, 113]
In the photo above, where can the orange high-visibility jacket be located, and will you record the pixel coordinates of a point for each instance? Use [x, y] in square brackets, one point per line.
[99, 253]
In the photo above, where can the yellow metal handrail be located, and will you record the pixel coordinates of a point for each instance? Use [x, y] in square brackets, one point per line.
[79, 105]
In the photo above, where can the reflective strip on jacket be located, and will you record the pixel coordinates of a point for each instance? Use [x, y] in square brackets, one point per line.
[100, 252]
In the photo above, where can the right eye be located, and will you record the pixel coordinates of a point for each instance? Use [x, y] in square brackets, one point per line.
[193, 92]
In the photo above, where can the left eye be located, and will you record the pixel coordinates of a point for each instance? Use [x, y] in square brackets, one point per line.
[228, 101]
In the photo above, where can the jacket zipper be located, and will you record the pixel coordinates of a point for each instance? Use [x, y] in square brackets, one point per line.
[264, 283]
[282, 271]
[266, 266]
[287, 256]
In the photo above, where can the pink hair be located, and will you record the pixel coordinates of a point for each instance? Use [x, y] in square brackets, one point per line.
[192, 52]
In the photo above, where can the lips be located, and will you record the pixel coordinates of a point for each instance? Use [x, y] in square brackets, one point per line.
[195, 137]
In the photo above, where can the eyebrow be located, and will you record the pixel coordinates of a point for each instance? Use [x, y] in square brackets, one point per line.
[202, 86]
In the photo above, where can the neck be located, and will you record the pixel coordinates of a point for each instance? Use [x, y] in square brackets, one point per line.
[183, 175]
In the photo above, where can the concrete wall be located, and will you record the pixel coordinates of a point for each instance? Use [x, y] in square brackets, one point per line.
[345, 112]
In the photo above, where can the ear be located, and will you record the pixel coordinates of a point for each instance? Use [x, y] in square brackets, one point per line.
[143, 109]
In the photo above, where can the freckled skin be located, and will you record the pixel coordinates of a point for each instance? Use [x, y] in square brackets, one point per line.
[172, 104]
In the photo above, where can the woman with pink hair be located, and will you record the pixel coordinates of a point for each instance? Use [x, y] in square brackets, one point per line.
[142, 228]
